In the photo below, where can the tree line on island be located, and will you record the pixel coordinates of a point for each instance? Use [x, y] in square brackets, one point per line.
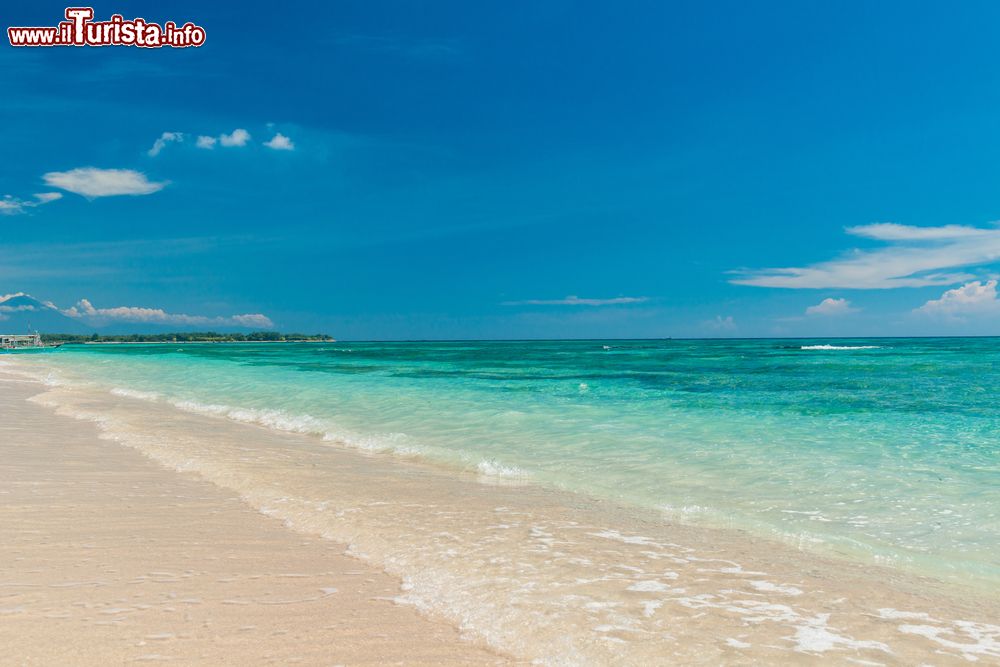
[189, 337]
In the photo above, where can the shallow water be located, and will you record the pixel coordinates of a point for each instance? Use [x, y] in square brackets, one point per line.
[888, 449]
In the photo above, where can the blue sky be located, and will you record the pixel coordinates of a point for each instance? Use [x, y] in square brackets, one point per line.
[498, 170]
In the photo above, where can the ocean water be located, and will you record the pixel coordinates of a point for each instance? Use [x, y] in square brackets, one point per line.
[885, 450]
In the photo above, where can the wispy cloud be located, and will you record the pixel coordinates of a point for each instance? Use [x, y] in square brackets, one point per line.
[578, 301]
[720, 324]
[891, 231]
[915, 257]
[93, 182]
[161, 143]
[12, 205]
[206, 142]
[831, 307]
[280, 142]
[974, 298]
[85, 310]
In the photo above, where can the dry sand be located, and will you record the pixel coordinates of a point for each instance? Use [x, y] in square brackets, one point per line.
[108, 558]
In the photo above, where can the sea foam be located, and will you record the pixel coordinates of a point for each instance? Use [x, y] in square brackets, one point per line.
[493, 468]
[135, 393]
[280, 420]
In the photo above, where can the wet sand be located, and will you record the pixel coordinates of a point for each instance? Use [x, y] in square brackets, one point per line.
[108, 558]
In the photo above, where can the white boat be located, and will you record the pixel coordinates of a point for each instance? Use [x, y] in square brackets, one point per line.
[24, 343]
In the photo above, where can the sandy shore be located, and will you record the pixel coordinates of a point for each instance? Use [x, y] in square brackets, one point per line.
[109, 558]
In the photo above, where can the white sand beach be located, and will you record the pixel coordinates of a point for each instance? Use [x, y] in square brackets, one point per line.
[108, 558]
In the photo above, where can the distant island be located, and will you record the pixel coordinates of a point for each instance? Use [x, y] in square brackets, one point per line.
[188, 337]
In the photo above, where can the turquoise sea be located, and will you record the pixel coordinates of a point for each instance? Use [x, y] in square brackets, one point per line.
[879, 449]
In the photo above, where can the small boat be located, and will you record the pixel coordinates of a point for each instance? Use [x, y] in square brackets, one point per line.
[24, 343]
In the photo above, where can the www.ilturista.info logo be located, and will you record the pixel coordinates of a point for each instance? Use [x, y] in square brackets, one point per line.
[79, 29]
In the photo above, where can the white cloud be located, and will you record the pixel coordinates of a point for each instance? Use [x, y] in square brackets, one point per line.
[12, 205]
[253, 320]
[891, 231]
[93, 182]
[165, 138]
[27, 304]
[721, 323]
[974, 298]
[577, 301]
[915, 257]
[23, 307]
[830, 307]
[238, 137]
[241, 137]
[280, 143]
[84, 309]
